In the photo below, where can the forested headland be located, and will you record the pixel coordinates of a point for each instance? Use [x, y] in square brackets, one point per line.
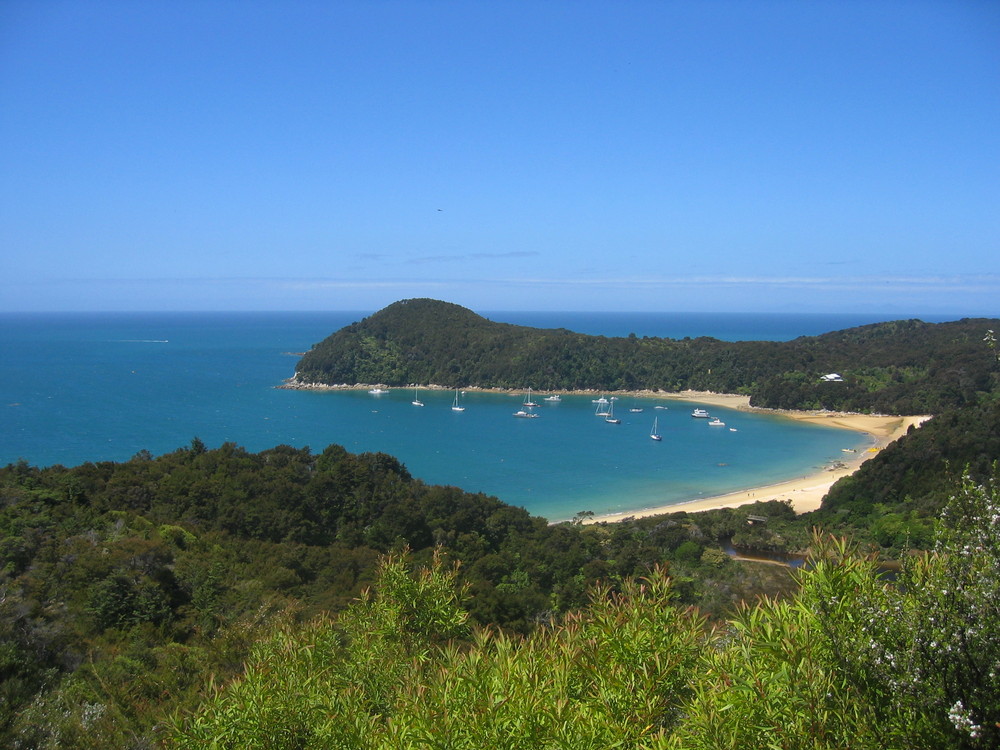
[899, 367]
[292, 598]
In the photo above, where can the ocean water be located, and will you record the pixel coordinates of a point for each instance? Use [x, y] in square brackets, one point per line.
[95, 387]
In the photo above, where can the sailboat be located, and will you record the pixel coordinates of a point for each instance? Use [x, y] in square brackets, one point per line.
[653, 433]
[416, 401]
[610, 419]
[528, 403]
[456, 406]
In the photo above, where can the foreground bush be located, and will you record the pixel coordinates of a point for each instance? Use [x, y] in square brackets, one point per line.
[386, 676]
[853, 660]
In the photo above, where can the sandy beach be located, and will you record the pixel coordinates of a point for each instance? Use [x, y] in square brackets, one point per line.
[805, 493]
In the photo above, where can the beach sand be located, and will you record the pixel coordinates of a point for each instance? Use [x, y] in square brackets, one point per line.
[805, 493]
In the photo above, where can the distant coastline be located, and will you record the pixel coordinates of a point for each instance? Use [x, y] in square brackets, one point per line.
[805, 493]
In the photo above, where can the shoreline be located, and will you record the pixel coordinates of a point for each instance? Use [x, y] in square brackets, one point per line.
[805, 493]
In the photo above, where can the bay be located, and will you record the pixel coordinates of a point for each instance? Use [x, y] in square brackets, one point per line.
[94, 387]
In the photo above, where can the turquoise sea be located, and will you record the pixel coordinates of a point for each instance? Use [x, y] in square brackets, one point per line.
[103, 386]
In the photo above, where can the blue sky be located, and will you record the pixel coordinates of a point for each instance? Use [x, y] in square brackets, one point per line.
[671, 156]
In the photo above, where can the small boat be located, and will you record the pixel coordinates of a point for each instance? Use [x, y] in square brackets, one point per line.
[700, 413]
[635, 410]
[602, 410]
[716, 422]
[378, 391]
[600, 400]
[457, 406]
[659, 407]
[416, 401]
[653, 433]
[610, 419]
[522, 414]
[732, 429]
[553, 397]
[528, 403]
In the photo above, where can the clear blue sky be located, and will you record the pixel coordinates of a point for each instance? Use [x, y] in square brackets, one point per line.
[539, 155]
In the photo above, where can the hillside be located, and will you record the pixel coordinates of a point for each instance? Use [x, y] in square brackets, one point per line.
[899, 367]
[123, 586]
[204, 597]
[847, 661]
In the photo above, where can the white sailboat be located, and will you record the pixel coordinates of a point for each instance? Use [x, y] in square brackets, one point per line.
[610, 419]
[457, 406]
[528, 403]
[653, 433]
[416, 400]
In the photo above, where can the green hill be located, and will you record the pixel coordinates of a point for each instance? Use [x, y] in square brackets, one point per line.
[899, 367]
[123, 586]
[204, 599]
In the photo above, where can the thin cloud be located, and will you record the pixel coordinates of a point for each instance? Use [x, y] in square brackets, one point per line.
[511, 254]
[425, 259]
[988, 281]
[312, 284]
[930, 282]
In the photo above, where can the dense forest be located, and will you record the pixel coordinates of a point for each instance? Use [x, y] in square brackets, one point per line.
[123, 586]
[848, 660]
[130, 592]
[900, 367]
[217, 597]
